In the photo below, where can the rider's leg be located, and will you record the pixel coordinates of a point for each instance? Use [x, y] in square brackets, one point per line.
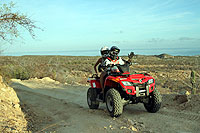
[103, 74]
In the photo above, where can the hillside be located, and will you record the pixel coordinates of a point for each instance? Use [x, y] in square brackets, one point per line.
[12, 119]
[170, 72]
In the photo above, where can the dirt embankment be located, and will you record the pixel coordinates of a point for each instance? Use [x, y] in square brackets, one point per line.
[12, 119]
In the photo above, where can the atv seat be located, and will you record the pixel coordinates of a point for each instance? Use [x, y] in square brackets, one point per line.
[120, 74]
[95, 76]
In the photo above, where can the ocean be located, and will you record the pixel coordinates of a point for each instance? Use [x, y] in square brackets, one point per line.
[155, 51]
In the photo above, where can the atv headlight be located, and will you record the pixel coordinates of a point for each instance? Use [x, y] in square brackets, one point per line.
[125, 83]
[150, 81]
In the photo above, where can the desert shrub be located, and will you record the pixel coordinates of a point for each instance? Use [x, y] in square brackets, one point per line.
[60, 77]
[21, 73]
[14, 71]
[72, 69]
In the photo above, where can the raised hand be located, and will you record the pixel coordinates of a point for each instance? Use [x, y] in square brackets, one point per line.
[130, 56]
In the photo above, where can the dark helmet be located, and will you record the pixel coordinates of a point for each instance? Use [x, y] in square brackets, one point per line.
[114, 51]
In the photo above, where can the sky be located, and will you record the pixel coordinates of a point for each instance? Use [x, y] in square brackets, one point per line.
[90, 24]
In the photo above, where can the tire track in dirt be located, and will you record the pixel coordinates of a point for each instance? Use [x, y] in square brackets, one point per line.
[182, 115]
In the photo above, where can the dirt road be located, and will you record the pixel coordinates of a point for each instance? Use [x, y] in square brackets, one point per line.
[64, 109]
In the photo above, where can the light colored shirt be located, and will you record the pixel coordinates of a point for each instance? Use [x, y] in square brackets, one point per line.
[113, 62]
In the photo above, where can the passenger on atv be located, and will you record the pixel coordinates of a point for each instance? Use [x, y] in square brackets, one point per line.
[101, 68]
[104, 54]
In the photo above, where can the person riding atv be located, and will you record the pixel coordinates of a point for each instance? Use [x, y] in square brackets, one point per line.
[113, 59]
[122, 88]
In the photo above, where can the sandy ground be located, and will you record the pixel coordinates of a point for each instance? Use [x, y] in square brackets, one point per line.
[64, 109]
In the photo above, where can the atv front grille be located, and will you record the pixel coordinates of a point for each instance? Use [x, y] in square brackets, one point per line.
[141, 86]
[142, 90]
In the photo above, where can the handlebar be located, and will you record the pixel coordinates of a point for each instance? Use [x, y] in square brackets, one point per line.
[126, 64]
[111, 65]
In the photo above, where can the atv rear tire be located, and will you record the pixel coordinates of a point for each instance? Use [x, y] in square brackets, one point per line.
[114, 103]
[91, 99]
[154, 103]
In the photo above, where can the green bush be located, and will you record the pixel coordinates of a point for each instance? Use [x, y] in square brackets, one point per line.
[20, 73]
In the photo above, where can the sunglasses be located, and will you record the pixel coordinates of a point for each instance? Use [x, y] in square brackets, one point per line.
[115, 52]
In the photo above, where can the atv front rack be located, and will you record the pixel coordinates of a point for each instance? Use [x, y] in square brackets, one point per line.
[140, 93]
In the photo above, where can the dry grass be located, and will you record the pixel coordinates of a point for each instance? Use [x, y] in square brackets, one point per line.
[169, 72]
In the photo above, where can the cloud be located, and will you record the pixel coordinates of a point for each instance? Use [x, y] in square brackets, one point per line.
[188, 39]
[157, 5]
[156, 40]
[116, 42]
[119, 32]
[162, 40]
[177, 16]
[120, 42]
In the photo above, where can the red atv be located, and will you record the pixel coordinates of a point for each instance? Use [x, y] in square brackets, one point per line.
[122, 88]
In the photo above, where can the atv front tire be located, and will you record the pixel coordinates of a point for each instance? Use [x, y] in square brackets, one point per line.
[154, 103]
[91, 99]
[114, 103]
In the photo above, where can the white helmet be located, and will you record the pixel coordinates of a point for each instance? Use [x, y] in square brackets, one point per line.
[104, 51]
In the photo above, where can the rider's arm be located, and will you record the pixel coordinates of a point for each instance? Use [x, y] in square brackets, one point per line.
[97, 63]
[130, 56]
[106, 64]
[128, 61]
